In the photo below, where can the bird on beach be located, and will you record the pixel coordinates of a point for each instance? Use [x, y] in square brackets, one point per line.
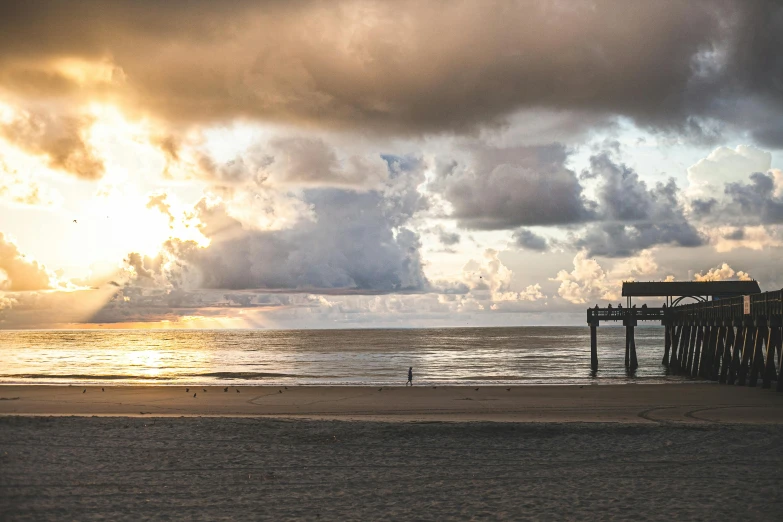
[187, 390]
[477, 389]
[434, 387]
[279, 391]
[84, 391]
[380, 389]
[194, 395]
[74, 221]
[225, 389]
[102, 389]
[204, 390]
[286, 387]
[508, 389]
[237, 390]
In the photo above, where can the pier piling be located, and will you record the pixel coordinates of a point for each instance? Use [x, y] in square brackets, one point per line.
[593, 345]
[726, 362]
[667, 344]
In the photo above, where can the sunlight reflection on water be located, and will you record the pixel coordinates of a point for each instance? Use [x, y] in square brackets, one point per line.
[525, 355]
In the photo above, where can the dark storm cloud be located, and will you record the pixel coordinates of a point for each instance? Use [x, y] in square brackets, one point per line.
[755, 201]
[529, 240]
[445, 237]
[295, 160]
[633, 216]
[350, 247]
[502, 188]
[735, 235]
[408, 66]
[702, 208]
[353, 243]
[621, 240]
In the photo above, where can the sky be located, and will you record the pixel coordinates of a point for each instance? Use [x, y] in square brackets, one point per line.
[344, 164]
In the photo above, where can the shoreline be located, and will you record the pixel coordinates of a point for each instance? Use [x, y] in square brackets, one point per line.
[683, 403]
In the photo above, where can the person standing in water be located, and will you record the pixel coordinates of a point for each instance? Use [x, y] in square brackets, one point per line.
[410, 376]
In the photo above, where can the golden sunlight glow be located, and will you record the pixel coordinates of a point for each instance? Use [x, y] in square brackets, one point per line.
[85, 72]
[146, 363]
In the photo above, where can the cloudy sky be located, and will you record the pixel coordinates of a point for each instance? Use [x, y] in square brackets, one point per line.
[321, 164]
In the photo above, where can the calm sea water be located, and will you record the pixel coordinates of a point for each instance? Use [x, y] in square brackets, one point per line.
[528, 355]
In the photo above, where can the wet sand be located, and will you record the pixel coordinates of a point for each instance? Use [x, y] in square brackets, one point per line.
[689, 452]
[680, 403]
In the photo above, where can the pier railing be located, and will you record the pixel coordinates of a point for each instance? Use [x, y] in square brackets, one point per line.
[766, 304]
[621, 314]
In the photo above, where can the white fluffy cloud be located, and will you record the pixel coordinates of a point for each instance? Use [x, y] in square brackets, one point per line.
[589, 282]
[708, 176]
[721, 273]
[489, 279]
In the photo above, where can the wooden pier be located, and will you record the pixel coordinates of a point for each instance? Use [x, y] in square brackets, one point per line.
[733, 339]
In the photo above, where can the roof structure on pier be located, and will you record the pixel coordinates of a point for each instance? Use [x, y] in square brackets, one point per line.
[690, 288]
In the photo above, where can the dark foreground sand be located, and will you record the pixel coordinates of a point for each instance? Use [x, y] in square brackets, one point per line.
[115, 468]
[702, 452]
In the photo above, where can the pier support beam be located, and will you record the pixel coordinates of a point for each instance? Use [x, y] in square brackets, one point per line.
[683, 347]
[773, 341]
[667, 343]
[631, 363]
[688, 363]
[700, 336]
[676, 334]
[682, 350]
[779, 386]
[717, 355]
[593, 345]
[726, 362]
[736, 354]
[747, 350]
[704, 363]
[757, 366]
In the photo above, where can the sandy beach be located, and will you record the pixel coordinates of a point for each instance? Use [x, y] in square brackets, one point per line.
[678, 403]
[681, 452]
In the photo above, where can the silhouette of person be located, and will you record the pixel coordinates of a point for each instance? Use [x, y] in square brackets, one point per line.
[644, 306]
[410, 376]
[610, 306]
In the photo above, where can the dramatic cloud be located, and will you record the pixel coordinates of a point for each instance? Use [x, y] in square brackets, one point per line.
[529, 240]
[759, 200]
[724, 165]
[18, 274]
[589, 282]
[721, 273]
[296, 161]
[445, 237]
[353, 242]
[60, 138]
[505, 188]
[634, 216]
[490, 280]
[404, 66]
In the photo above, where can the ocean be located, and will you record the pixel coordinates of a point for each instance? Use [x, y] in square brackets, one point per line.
[444, 356]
